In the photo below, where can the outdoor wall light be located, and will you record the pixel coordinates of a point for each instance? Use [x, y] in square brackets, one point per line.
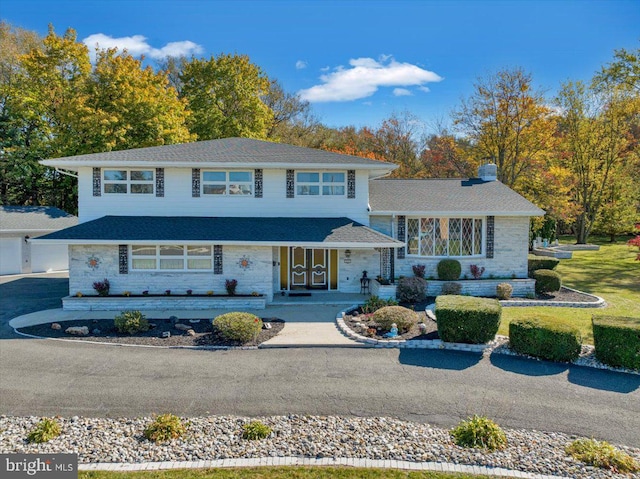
[347, 253]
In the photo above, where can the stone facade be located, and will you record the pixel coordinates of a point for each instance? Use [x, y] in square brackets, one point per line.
[511, 248]
[256, 276]
[72, 303]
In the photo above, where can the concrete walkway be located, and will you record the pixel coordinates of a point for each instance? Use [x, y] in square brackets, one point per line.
[305, 325]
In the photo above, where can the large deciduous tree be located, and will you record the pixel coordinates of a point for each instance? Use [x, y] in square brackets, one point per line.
[225, 96]
[508, 123]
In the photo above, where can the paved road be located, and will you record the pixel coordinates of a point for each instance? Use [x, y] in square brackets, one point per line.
[440, 387]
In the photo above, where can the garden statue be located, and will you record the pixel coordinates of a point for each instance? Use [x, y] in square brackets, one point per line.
[393, 333]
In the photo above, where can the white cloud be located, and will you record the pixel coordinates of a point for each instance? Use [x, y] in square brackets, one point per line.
[137, 45]
[364, 76]
[401, 92]
[301, 65]
[425, 89]
[325, 69]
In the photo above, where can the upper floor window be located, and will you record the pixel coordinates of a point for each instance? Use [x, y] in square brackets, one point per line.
[171, 257]
[443, 237]
[128, 181]
[227, 183]
[315, 183]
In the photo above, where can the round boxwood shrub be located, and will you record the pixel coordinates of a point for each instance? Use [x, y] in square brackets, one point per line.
[403, 317]
[479, 432]
[547, 281]
[131, 322]
[239, 327]
[411, 290]
[545, 339]
[504, 291]
[449, 269]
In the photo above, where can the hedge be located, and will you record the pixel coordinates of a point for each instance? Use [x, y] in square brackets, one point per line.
[544, 339]
[547, 281]
[449, 269]
[617, 340]
[465, 319]
[541, 263]
[237, 326]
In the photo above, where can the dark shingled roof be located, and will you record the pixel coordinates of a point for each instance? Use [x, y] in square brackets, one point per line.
[126, 229]
[448, 196]
[32, 218]
[244, 151]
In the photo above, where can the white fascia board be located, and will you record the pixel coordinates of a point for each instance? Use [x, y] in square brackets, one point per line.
[456, 214]
[334, 245]
[74, 165]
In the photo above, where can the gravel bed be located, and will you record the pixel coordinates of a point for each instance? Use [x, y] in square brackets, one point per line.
[103, 330]
[218, 437]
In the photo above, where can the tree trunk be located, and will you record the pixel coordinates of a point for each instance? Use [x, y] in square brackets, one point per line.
[581, 229]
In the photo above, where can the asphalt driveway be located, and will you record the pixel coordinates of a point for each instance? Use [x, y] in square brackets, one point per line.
[41, 377]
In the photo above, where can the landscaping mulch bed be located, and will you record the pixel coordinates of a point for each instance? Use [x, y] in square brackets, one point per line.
[563, 295]
[431, 331]
[103, 330]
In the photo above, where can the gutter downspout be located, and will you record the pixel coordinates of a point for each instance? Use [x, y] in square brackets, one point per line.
[67, 172]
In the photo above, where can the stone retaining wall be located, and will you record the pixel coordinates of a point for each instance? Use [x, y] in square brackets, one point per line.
[72, 303]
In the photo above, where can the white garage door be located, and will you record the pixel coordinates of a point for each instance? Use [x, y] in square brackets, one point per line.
[49, 257]
[10, 255]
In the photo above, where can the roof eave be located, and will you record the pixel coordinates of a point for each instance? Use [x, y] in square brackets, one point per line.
[449, 213]
[310, 244]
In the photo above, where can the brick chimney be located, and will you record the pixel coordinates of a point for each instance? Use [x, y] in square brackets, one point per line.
[488, 172]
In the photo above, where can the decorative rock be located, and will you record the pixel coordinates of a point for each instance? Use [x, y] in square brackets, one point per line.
[173, 319]
[430, 314]
[56, 326]
[194, 321]
[165, 334]
[422, 327]
[77, 330]
[266, 325]
[152, 325]
[355, 314]
[182, 327]
[191, 332]
[96, 331]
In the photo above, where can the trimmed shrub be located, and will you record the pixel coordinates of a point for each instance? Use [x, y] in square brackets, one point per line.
[602, 454]
[451, 288]
[102, 287]
[131, 322]
[504, 291]
[45, 430]
[374, 303]
[240, 327]
[617, 340]
[534, 264]
[164, 428]
[479, 432]
[411, 290]
[465, 319]
[449, 269]
[255, 430]
[547, 281]
[403, 317]
[543, 339]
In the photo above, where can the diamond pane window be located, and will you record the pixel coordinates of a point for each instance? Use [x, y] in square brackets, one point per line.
[444, 237]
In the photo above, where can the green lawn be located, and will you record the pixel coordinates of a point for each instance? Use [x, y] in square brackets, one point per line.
[611, 273]
[278, 473]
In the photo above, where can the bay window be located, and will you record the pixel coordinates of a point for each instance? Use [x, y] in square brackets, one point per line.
[444, 237]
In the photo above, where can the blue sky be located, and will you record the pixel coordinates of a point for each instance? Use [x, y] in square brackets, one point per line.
[360, 61]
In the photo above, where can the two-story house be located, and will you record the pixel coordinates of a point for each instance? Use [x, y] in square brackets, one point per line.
[276, 218]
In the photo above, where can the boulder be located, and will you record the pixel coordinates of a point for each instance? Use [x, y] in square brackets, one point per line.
[77, 330]
[56, 326]
[191, 332]
[165, 334]
[182, 327]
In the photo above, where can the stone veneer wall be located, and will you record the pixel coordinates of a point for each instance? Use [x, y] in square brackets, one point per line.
[511, 248]
[256, 277]
[71, 303]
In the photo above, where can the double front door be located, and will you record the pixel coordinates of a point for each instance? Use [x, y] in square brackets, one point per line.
[308, 268]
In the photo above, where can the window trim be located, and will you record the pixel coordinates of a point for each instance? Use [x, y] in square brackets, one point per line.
[128, 182]
[185, 257]
[227, 183]
[321, 183]
[483, 244]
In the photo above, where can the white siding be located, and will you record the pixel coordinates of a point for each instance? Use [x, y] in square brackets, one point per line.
[178, 201]
[11, 255]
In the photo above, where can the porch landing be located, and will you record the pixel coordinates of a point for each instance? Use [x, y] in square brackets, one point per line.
[328, 298]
